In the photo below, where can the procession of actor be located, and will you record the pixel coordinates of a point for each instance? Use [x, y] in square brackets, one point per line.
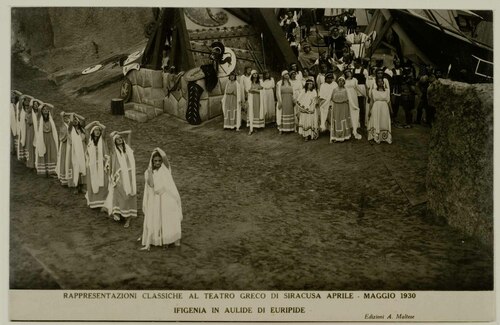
[78, 156]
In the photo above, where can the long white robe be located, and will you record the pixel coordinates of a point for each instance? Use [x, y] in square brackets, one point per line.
[325, 95]
[162, 209]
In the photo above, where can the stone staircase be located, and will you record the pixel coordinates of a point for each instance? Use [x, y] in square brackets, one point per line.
[147, 95]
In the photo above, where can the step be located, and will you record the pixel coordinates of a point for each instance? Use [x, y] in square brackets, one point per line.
[136, 115]
[149, 110]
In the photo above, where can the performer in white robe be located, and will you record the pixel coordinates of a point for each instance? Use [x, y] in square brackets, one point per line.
[357, 40]
[231, 103]
[351, 85]
[46, 143]
[325, 95]
[379, 125]
[267, 97]
[98, 165]
[161, 204]
[255, 109]
[122, 191]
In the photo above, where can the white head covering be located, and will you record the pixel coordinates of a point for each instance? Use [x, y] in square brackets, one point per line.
[284, 72]
[96, 162]
[129, 183]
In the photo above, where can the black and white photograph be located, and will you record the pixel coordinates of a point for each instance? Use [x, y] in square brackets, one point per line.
[296, 151]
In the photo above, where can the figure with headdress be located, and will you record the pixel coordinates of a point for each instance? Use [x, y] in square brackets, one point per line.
[98, 166]
[340, 116]
[31, 108]
[325, 95]
[353, 90]
[122, 191]
[308, 114]
[46, 143]
[255, 109]
[267, 97]
[23, 111]
[77, 139]
[161, 204]
[307, 58]
[379, 125]
[285, 115]
[64, 164]
[14, 99]
[231, 103]
[297, 89]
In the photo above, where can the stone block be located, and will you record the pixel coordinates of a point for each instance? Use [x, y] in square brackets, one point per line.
[181, 108]
[136, 94]
[203, 109]
[140, 77]
[157, 79]
[214, 106]
[147, 78]
[136, 116]
[170, 105]
[132, 76]
[157, 93]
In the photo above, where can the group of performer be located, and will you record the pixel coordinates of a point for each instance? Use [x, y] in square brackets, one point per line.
[338, 102]
[78, 156]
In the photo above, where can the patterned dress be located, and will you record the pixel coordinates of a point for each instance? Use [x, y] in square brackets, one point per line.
[340, 126]
[286, 122]
[308, 118]
[379, 125]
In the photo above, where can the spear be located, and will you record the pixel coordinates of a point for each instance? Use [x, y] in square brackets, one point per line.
[263, 52]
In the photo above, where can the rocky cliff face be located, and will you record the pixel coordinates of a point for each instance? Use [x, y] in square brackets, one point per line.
[62, 38]
[460, 171]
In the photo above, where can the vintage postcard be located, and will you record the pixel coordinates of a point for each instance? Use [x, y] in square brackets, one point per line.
[291, 162]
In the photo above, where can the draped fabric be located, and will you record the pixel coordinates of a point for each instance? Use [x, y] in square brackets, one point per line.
[122, 189]
[231, 105]
[325, 95]
[95, 162]
[255, 108]
[46, 150]
[340, 117]
[308, 119]
[77, 156]
[285, 117]
[379, 125]
[161, 206]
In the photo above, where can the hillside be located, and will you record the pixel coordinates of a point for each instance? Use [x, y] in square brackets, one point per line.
[55, 39]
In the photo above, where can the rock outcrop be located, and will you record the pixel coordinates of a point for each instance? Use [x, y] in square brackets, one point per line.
[460, 173]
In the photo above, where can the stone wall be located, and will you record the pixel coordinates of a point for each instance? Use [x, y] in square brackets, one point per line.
[460, 173]
[149, 96]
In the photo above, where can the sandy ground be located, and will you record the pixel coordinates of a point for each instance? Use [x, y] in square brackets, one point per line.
[260, 212]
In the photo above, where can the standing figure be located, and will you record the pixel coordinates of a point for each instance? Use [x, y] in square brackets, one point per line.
[361, 75]
[255, 109]
[46, 143]
[353, 90]
[396, 82]
[13, 121]
[122, 196]
[267, 97]
[379, 125]
[285, 114]
[231, 103]
[77, 139]
[408, 96]
[297, 89]
[22, 115]
[63, 167]
[340, 118]
[98, 166]
[308, 118]
[161, 204]
[325, 95]
[31, 122]
[246, 83]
